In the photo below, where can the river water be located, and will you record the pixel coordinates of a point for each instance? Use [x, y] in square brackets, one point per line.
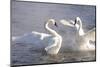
[29, 16]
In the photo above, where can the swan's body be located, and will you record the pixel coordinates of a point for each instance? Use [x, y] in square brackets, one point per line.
[56, 40]
[52, 41]
[82, 38]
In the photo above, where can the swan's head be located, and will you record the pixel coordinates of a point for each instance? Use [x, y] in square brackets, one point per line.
[52, 21]
[78, 22]
[78, 19]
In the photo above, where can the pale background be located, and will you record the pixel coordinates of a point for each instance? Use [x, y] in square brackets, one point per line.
[5, 32]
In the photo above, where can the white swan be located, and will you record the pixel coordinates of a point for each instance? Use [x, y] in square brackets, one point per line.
[52, 41]
[56, 43]
[83, 39]
[86, 37]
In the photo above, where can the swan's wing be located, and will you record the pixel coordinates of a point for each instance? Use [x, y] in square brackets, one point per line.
[42, 35]
[35, 38]
[47, 39]
[90, 34]
[27, 38]
[52, 43]
[68, 23]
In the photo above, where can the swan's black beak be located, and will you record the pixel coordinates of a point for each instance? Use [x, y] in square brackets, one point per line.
[75, 21]
[56, 24]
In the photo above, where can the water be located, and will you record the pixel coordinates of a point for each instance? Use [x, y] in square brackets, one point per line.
[28, 16]
[25, 54]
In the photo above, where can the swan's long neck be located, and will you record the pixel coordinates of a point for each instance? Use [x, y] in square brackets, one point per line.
[81, 31]
[54, 33]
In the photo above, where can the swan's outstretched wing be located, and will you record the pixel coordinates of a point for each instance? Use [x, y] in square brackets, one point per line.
[40, 35]
[27, 38]
[90, 35]
[33, 37]
[67, 23]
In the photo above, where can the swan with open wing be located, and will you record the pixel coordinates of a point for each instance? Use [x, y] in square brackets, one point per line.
[83, 39]
[51, 41]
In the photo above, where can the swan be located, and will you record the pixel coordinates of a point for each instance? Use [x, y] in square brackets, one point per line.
[83, 39]
[56, 40]
[86, 37]
[52, 41]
